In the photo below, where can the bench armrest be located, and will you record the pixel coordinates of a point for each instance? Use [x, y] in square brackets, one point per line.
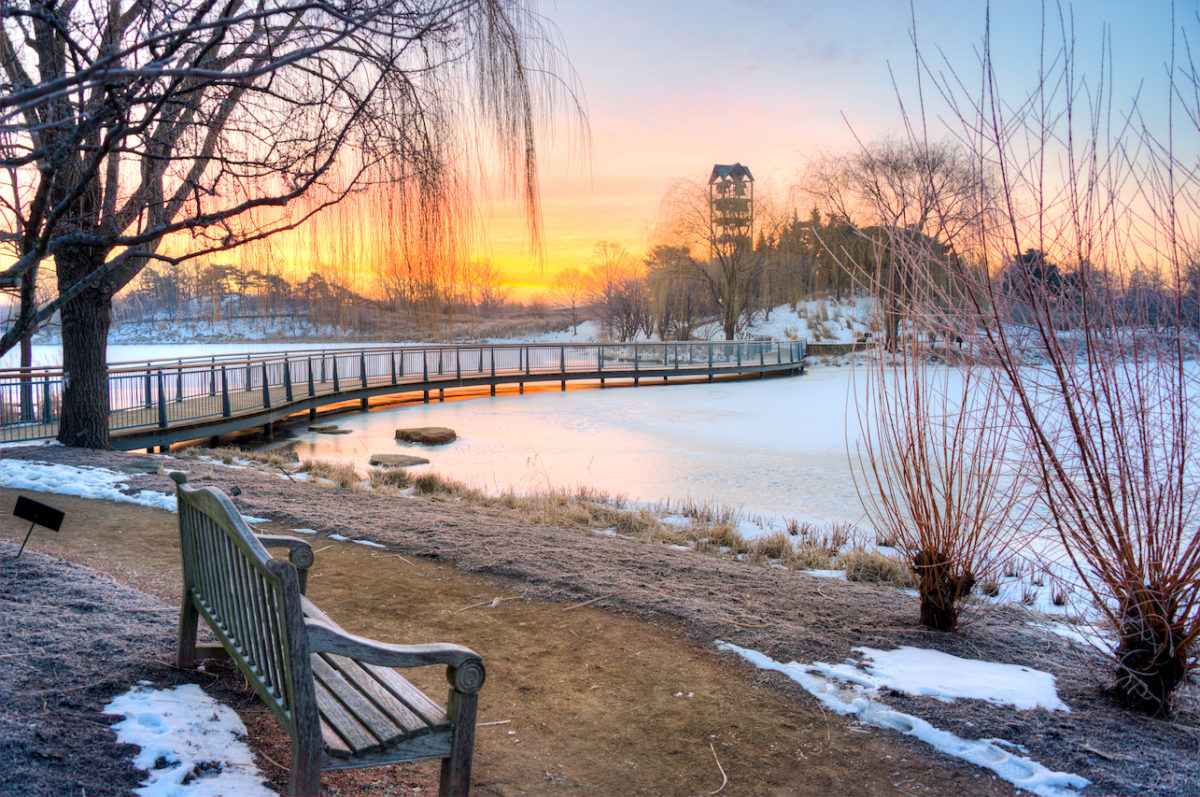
[300, 553]
[325, 638]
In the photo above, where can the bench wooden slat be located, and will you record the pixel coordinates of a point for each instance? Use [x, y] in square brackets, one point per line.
[412, 697]
[344, 726]
[333, 742]
[412, 724]
[355, 702]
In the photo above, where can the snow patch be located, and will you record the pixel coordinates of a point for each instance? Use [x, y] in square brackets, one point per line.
[1020, 771]
[85, 482]
[190, 744]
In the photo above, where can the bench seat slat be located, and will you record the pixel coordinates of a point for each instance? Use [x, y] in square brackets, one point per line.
[411, 723]
[351, 696]
[333, 714]
[414, 698]
[333, 743]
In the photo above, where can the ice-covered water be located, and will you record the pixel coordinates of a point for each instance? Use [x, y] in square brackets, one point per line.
[775, 447]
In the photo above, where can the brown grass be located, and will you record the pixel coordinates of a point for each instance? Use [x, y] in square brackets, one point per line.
[872, 566]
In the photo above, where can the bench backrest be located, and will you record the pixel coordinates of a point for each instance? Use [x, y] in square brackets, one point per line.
[250, 600]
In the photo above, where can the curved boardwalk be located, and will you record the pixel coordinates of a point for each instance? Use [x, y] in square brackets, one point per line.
[163, 402]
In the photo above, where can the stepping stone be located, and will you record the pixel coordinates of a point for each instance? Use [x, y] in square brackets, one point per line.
[396, 460]
[427, 435]
[142, 466]
[328, 428]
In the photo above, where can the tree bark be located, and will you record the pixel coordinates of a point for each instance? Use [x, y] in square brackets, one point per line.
[85, 323]
[28, 307]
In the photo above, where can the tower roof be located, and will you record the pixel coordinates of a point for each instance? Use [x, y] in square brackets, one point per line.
[733, 171]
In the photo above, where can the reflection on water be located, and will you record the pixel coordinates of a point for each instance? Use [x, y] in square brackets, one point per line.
[775, 447]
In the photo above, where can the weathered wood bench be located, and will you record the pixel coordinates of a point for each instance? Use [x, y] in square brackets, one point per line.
[336, 694]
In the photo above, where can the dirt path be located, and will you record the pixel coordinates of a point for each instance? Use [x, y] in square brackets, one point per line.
[584, 701]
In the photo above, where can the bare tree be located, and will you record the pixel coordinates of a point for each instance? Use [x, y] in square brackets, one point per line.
[570, 287]
[140, 132]
[619, 292]
[1106, 395]
[938, 466]
[892, 188]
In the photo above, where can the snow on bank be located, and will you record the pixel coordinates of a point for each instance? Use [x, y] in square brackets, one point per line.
[190, 744]
[919, 671]
[827, 683]
[16, 474]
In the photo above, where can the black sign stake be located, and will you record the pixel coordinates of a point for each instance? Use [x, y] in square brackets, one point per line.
[38, 515]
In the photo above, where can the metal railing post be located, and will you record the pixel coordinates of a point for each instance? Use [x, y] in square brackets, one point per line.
[287, 379]
[392, 361]
[226, 410]
[47, 410]
[762, 355]
[424, 365]
[362, 367]
[599, 357]
[179, 383]
[212, 378]
[162, 402]
[149, 397]
[249, 377]
[492, 357]
[458, 363]
[402, 363]
[266, 388]
[528, 352]
[738, 346]
[337, 388]
[312, 389]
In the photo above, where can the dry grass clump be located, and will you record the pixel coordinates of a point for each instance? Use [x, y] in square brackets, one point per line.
[719, 537]
[811, 557]
[875, 568]
[229, 455]
[390, 478]
[341, 475]
[432, 484]
[776, 546]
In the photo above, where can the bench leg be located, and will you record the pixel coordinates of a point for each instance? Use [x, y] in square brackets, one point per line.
[185, 654]
[305, 779]
[456, 770]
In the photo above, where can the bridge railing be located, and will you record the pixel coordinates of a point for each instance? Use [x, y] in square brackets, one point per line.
[160, 393]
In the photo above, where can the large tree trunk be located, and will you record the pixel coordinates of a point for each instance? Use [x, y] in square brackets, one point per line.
[28, 306]
[85, 323]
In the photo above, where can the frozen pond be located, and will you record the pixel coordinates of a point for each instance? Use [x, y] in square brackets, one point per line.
[774, 447]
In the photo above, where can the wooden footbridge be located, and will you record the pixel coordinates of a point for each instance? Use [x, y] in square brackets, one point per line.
[158, 403]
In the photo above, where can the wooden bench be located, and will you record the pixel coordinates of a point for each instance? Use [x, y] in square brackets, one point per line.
[336, 694]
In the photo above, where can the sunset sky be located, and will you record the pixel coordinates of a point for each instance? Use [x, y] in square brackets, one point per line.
[674, 86]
